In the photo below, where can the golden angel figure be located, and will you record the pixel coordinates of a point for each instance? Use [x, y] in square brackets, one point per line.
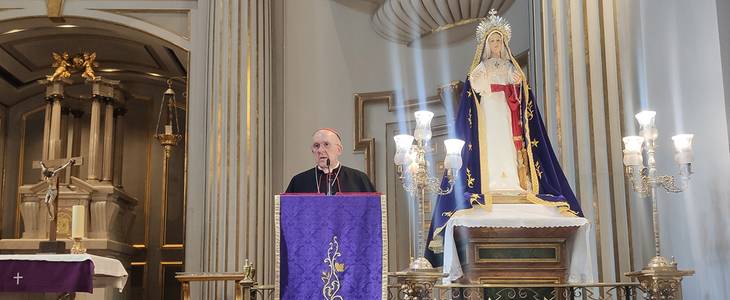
[89, 64]
[62, 65]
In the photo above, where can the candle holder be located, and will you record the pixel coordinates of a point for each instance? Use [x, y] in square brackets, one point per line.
[414, 172]
[78, 247]
[660, 278]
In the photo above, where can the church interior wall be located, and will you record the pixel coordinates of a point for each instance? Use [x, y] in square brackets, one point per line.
[723, 10]
[158, 225]
[328, 52]
[332, 52]
[684, 84]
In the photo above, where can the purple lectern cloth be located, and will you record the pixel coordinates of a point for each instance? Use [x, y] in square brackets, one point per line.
[46, 276]
[309, 225]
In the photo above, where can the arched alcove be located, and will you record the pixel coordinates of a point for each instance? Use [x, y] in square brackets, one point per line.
[142, 57]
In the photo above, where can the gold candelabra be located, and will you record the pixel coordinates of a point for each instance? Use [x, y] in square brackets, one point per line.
[414, 172]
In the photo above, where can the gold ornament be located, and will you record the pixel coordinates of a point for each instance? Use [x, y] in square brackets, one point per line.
[62, 65]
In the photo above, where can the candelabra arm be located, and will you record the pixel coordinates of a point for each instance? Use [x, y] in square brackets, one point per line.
[640, 181]
[670, 184]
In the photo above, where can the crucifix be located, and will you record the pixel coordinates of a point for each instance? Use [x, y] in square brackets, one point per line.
[49, 172]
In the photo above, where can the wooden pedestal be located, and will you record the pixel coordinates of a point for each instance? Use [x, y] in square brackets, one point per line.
[513, 255]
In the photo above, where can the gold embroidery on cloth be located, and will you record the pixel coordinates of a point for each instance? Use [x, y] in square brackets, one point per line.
[469, 179]
[331, 280]
[474, 199]
[469, 119]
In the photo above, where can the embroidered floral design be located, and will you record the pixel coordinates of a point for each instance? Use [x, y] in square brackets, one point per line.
[331, 280]
[474, 199]
[469, 180]
[469, 118]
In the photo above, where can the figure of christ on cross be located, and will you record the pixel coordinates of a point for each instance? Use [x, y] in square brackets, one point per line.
[49, 173]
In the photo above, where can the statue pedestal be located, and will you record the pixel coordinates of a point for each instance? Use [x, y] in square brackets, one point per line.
[525, 243]
[513, 255]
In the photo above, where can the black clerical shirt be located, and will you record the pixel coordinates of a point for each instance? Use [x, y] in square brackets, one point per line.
[344, 179]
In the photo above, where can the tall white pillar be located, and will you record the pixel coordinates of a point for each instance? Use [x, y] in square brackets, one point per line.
[118, 145]
[101, 90]
[108, 167]
[228, 132]
[47, 128]
[95, 123]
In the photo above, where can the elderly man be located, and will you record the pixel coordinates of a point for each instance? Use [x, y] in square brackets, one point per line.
[328, 176]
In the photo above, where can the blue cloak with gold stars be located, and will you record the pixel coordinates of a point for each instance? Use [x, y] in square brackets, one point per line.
[544, 172]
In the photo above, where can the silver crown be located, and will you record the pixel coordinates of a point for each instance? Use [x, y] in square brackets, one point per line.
[494, 23]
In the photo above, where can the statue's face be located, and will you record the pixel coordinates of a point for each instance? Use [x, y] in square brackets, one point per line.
[326, 144]
[495, 44]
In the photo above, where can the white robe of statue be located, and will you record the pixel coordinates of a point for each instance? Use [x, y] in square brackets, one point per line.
[501, 153]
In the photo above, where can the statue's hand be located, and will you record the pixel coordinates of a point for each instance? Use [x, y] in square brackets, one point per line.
[516, 77]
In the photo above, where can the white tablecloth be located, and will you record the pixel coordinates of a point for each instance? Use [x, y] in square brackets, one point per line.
[580, 268]
[107, 271]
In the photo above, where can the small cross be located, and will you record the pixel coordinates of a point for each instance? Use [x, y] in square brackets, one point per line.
[17, 278]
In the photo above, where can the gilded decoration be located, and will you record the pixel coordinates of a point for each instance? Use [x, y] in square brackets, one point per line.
[62, 65]
[470, 121]
[474, 199]
[331, 280]
[469, 180]
[66, 64]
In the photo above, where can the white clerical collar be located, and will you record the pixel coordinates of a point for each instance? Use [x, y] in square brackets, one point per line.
[331, 168]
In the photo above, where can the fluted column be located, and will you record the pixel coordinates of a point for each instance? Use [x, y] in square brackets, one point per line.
[47, 128]
[54, 146]
[72, 138]
[101, 90]
[583, 86]
[107, 166]
[118, 145]
[95, 123]
[54, 94]
[228, 133]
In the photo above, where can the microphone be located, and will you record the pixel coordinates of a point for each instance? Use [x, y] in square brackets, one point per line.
[329, 177]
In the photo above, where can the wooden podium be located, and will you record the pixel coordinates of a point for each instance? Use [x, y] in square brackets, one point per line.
[493, 255]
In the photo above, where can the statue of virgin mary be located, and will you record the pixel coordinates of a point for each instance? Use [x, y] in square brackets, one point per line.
[507, 152]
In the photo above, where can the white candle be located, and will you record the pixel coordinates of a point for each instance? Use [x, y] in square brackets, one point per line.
[168, 129]
[78, 220]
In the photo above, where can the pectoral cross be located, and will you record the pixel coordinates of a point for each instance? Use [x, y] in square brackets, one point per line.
[49, 174]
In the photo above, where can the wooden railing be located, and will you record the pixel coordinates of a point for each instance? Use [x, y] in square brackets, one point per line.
[242, 283]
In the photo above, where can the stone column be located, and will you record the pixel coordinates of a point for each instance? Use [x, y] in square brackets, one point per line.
[54, 146]
[102, 89]
[107, 167]
[93, 163]
[73, 132]
[47, 128]
[118, 145]
[63, 134]
[63, 142]
[52, 123]
[228, 147]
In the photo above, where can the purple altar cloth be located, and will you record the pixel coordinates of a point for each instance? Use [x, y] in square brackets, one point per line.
[46, 276]
[331, 246]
